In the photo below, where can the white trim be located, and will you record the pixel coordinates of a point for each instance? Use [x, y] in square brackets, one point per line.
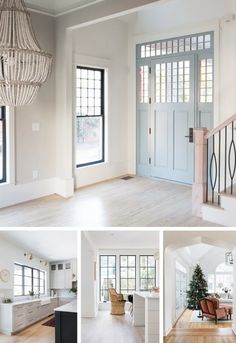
[93, 62]
[145, 38]
[16, 194]
[59, 14]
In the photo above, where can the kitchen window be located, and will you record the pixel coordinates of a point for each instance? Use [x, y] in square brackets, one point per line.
[107, 275]
[28, 279]
[127, 274]
[90, 112]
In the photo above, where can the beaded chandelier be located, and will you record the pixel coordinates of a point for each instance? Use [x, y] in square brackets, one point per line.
[24, 67]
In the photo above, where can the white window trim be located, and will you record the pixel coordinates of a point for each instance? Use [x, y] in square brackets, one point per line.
[93, 62]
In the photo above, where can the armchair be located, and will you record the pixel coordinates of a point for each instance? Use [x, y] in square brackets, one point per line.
[117, 302]
[210, 308]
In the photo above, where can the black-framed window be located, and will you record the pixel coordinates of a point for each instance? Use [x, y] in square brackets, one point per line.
[90, 111]
[107, 275]
[127, 274]
[28, 279]
[147, 265]
[3, 148]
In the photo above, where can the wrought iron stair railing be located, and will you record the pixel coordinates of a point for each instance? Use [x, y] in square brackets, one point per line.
[221, 161]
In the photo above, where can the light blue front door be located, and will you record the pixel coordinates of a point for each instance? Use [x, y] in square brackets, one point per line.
[174, 96]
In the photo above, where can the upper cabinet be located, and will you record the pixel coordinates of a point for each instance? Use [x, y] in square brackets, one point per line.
[63, 274]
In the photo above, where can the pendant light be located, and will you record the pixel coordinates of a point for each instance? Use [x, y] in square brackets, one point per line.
[24, 67]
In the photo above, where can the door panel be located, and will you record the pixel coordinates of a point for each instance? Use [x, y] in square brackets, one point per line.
[173, 114]
[143, 138]
[161, 139]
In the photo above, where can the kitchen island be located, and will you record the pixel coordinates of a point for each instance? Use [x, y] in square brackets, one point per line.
[146, 313]
[66, 323]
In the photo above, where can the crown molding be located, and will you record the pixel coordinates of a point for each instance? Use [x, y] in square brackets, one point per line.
[56, 15]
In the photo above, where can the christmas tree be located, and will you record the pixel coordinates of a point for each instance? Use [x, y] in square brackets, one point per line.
[197, 288]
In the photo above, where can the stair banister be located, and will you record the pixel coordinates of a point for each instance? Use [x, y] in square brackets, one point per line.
[209, 171]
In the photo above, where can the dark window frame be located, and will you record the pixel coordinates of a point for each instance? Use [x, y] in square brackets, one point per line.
[102, 160]
[4, 138]
[147, 278]
[122, 290]
[100, 275]
[32, 279]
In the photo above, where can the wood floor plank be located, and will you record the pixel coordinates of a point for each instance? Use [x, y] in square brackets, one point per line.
[106, 328]
[139, 202]
[34, 334]
[206, 332]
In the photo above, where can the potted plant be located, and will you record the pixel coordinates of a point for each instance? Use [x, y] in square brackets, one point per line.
[73, 290]
[32, 294]
[7, 301]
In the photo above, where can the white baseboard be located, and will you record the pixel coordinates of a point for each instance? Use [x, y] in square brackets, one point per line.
[15, 194]
[99, 173]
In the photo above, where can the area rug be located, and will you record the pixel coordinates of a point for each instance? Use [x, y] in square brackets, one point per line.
[195, 319]
[50, 322]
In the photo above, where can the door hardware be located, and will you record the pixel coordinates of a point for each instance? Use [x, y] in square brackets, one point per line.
[190, 136]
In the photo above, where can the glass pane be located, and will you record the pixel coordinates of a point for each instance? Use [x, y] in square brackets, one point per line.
[27, 271]
[17, 280]
[27, 290]
[151, 261]
[41, 283]
[144, 84]
[151, 273]
[143, 272]
[124, 261]
[123, 283]
[35, 273]
[131, 273]
[103, 272]
[143, 284]
[123, 273]
[36, 282]
[89, 140]
[131, 284]
[131, 261]
[151, 283]
[27, 281]
[104, 261]
[143, 261]
[112, 261]
[112, 273]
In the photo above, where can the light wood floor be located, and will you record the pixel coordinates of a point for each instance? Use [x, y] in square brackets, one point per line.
[139, 202]
[34, 334]
[206, 332]
[106, 328]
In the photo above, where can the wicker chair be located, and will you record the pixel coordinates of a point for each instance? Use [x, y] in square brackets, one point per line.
[117, 302]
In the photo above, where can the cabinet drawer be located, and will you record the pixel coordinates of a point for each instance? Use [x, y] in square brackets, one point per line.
[18, 309]
[19, 325]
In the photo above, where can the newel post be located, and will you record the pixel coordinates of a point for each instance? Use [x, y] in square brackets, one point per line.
[199, 185]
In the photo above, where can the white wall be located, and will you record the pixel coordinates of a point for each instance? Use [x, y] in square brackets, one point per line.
[10, 254]
[30, 150]
[170, 260]
[106, 45]
[88, 284]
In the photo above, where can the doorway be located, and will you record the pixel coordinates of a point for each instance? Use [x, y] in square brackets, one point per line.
[174, 96]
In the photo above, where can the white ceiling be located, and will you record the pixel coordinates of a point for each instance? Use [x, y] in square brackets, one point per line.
[195, 253]
[124, 239]
[57, 7]
[48, 245]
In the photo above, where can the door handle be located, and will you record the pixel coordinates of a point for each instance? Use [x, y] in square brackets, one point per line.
[190, 136]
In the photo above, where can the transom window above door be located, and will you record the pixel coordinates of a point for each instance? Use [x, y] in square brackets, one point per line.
[202, 41]
[89, 116]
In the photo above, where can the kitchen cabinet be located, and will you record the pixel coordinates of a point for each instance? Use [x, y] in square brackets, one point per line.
[62, 274]
[16, 317]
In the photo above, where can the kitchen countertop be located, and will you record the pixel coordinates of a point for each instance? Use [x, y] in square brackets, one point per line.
[148, 295]
[71, 307]
[21, 302]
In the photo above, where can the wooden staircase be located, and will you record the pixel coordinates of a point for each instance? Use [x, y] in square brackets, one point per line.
[214, 188]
